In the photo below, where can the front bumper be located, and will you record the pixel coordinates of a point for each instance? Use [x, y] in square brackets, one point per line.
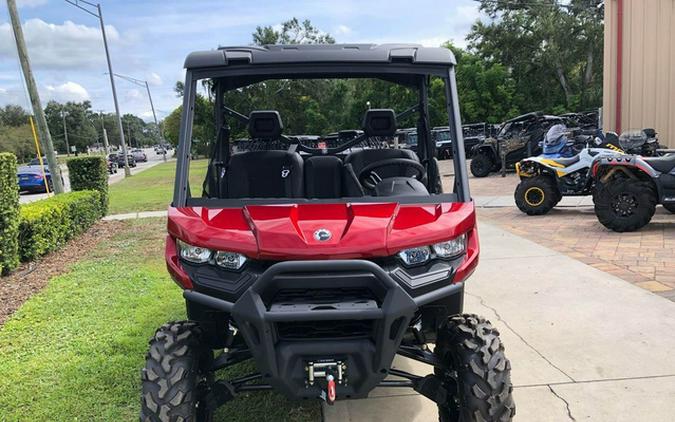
[298, 312]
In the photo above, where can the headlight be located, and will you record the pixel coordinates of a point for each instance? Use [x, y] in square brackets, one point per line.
[194, 254]
[450, 248]
[230, 260]
[414, 256]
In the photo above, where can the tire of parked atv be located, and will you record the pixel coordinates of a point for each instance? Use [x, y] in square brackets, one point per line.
[478, 371]
[536, 195]
[669, 207]
[174, 377]
[625, 205]
[481, 165]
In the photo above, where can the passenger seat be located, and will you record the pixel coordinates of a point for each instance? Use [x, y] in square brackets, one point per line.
[265, 174]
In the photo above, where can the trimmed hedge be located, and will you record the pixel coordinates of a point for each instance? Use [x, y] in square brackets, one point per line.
[47, 224]
[90, 173]
[9, 213]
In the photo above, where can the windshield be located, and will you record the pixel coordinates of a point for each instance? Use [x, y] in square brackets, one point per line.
[443, 135]
[302, 139]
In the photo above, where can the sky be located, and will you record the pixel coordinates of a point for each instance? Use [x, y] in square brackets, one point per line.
[149, 40]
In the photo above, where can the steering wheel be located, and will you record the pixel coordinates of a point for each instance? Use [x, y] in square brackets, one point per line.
[369, 178]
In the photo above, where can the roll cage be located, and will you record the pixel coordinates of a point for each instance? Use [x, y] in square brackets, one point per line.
[236, 67]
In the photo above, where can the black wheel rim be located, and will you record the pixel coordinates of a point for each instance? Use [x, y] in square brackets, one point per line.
[534, 196]
[624, 204]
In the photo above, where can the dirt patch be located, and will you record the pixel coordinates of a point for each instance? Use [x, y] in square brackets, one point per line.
[31, 277]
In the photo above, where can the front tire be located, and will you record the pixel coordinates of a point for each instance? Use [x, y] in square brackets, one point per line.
[537, 195]
[481, 165]
[625, 205]
[175, 375]
[479, 371]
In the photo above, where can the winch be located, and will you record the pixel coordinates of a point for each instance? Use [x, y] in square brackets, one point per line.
[332, 371]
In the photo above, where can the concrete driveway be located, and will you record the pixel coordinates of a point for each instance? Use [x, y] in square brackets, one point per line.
[583, 344]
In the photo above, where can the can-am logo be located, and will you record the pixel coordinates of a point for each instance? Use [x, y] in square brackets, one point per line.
[322, 235]
[285, 173]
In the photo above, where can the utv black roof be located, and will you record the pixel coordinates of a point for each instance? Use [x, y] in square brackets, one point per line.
[321, 53]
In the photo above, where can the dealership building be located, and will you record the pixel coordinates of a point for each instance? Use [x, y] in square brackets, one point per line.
[639, 67]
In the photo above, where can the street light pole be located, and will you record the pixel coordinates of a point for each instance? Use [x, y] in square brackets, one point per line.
[99, 15]
[144, 83]
[154, 115]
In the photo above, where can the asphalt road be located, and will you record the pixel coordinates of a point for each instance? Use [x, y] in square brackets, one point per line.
[153, 159]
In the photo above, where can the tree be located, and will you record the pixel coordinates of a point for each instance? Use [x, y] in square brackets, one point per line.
[292, 32]
[79, 126]
[13, 115]
[486, 90]
[19, 141]
[553, 50]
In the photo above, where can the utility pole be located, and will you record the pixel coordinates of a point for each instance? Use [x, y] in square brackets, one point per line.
[65, 132]
[98, 14]
[43, 129]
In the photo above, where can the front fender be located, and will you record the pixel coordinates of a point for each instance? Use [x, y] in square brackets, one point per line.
[533, 166]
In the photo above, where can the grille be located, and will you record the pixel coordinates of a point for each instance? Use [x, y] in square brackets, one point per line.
[322, 296]
[316, 330]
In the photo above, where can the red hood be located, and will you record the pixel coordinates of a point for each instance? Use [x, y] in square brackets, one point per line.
[283, 232]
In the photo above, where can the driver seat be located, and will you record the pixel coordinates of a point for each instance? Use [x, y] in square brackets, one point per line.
[361, 159]
[376, 123]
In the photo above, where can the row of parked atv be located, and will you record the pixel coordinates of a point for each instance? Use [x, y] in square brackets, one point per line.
[624, 174]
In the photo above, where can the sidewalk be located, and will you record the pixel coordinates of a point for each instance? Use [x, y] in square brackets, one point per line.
[583, 344]
[508, 201]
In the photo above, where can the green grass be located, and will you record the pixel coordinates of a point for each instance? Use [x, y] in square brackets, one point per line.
[74, 350]
[152, 189]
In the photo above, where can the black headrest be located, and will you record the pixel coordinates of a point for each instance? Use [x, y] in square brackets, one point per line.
[265, 124]
[380, 122]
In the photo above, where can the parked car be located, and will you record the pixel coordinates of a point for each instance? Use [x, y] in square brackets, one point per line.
[31, 179]
[518, 138]
[120, 159]
[139, 155]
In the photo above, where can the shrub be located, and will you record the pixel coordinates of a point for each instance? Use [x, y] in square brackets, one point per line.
[48, 224]
[9, 213]
[90, 173]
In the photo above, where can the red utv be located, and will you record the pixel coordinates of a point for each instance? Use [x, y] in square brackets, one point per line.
[322, 262]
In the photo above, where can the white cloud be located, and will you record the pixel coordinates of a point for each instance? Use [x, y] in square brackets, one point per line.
[14, 94]
[343, 30]
[58, 46]
[432, 41]
[132, 94]
[69, 91]
[468, 13]
[147, 116]
[154, 79]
